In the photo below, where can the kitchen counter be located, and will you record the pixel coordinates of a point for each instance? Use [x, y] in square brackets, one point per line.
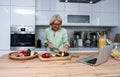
[73, 50]
[61, 68]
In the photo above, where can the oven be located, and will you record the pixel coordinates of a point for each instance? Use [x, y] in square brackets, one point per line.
[22, 38]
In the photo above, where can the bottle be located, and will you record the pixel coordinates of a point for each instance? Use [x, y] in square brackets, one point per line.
[88, 41]
[39, 44]
[71, 42]
[80, 42]
[102, 42]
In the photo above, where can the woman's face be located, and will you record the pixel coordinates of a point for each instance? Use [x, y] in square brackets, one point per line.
[56, 25]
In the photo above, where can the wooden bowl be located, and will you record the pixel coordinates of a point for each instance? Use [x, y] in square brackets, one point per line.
[12, 56]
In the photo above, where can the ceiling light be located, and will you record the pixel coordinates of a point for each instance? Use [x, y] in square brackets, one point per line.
[91, 2]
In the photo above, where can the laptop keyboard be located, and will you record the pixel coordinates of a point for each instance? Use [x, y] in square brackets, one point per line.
[92, 61]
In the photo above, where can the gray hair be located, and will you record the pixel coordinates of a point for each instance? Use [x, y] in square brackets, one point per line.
[55, 17]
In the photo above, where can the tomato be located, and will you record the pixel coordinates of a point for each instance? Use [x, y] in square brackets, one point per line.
[60, 52]
[46, 55]
[24, 52]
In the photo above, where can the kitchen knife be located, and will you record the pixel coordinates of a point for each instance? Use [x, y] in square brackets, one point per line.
[55, 49]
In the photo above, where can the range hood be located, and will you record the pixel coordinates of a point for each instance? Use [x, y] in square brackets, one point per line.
[81, 1]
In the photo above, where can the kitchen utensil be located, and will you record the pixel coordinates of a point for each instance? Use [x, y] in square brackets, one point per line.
[55, 49]
[109, 41]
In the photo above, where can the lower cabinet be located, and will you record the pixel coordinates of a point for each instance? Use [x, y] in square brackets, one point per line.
[4, 27]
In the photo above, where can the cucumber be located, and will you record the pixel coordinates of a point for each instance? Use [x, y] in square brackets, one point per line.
[66, 54]
[28, 52]
[32, 53]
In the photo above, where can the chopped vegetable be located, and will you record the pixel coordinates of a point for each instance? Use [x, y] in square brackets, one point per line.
[32, 53]
[28, 52]
[46, 55]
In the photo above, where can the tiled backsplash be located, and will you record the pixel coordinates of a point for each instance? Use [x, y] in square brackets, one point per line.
[40, 31]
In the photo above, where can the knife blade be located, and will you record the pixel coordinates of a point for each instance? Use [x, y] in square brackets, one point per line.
[55, 49]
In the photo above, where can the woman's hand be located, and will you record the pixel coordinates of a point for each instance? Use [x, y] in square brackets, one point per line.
[49, 44]
[65, 49]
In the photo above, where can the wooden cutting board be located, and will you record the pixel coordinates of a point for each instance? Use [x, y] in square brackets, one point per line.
[54, 58]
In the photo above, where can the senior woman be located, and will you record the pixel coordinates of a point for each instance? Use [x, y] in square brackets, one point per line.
[56, 36]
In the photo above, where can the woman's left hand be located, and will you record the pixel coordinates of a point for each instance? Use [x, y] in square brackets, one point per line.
[65, 49]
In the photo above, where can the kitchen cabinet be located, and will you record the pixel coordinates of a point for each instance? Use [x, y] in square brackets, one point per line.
[22, 15]
[106, 6]
[55, 5]
[43, 17]
[77, 21]
[23, 2]
[105, 13]
[4, 2]
[22, 12]
[85, 7]
[119, 6]
[79, 10]
[5, 27]
[78, 7]
[70, 7]
[46, 9]
[105, 19]
[43, 5]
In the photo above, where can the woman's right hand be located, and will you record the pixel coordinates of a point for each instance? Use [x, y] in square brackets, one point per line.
[49, 44]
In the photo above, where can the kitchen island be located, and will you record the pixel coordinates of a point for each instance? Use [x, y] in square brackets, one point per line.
[61, 68]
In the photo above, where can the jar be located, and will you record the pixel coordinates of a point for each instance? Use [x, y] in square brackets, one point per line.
[116, 50]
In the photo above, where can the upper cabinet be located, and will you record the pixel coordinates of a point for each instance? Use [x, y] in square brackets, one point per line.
[106, 6]
[71, 7]
[78, 7]
[55, 5]
[77, 14]
[103, 13]
[43, 5]
[23, 12]
[5, 27]
[43, 17]
[78, 18]
[22, 15]
[4, 2]
[23, 2]
[105, 19]
[119, 6]
[45, 9]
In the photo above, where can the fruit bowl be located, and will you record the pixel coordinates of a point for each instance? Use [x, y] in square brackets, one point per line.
[15, 56]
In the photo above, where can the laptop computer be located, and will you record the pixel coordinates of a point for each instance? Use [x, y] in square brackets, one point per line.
[102, 57]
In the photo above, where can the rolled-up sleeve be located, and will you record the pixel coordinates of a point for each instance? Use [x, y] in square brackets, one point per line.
[45, 38]
[65, 38]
